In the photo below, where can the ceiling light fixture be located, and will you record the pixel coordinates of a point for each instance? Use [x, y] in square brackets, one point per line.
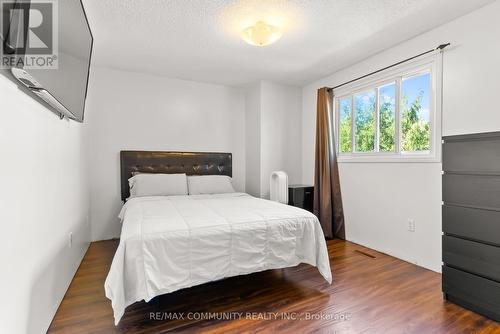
[261, 34]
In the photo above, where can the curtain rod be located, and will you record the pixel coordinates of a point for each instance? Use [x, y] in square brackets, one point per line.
[441, 47]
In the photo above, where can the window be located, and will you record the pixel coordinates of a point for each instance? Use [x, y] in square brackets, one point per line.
[391, 118]
[364, 124]
[415, 123]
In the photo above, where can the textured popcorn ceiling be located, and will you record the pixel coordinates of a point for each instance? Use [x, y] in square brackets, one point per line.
[199, 39]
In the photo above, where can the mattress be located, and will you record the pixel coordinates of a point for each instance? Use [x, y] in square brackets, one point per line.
[173, 242]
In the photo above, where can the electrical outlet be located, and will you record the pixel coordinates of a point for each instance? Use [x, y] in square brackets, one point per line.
[411, 225]
[70, 239]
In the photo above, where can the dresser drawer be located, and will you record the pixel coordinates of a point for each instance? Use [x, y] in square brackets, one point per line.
[479, 294]
[480, 155]
[482, 191]
[476, 224]
[476, 258]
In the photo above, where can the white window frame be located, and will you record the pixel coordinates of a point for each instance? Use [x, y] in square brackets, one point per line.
[432, 64]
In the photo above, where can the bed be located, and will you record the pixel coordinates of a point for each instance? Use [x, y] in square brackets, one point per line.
[170, 243]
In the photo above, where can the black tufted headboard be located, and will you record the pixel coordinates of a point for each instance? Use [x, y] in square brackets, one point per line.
[191, 163]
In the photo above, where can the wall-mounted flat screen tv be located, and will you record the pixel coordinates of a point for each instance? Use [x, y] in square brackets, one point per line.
[50, 46]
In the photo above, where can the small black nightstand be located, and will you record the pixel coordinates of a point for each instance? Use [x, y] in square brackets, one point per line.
[301, 196]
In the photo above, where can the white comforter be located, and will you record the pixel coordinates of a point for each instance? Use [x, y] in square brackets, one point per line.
[175, 242]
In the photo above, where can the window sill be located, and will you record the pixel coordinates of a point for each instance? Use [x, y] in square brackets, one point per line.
[369, 158]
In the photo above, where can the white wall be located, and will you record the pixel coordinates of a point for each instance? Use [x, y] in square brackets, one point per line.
[280, 133]
[144, 112]
[380, 198]
[273, 134]
[44, 197]
[252, 139]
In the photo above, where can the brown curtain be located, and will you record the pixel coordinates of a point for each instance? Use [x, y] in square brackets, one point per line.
[327, 196]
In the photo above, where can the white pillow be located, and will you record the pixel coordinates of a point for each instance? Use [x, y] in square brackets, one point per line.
[158, 185]
[210, 184]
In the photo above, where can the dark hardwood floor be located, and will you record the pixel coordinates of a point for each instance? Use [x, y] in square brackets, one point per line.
[368, 295]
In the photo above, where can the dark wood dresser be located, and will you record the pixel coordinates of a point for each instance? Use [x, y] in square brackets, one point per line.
[301, 196]
[471, 222]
